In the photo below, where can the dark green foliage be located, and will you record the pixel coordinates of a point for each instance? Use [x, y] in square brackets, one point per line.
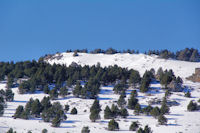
[119, 88]
[123, 113]
[188, 94]
[162, 120]
[66, 108]
[95, 110]
[167, 77]
[18, 111]
[24, 87]
[63, 91]
[132, 101]
[10, 81]
[54, 114]
[46, 103]
[146, 129]
[1, 109]
[53, 94]
[113, 125]
[146, 80]
[192, 106]
[137, 109]
[85, 130]
[108, 113]
[115, 111]
[134, 126]
[44, 131]
[9, 95]
[74, 111]
[36, 108]
[155, 112]
[11, 131]
[147, 110]
[164, 108]
[46, 89]
[121, 101]
[134, 78]
[77, 90]
[56, 122]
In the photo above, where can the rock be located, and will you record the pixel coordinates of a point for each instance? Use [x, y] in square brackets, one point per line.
[196, 76]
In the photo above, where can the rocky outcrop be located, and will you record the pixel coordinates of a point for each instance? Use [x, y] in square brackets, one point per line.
[196, 76]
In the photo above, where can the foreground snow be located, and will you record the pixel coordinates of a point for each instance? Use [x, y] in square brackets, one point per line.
[179, 120]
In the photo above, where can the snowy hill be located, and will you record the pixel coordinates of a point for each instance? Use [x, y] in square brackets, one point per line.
[140, 62]
[179, 119]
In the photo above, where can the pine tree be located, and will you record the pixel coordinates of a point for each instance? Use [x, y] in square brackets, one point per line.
[36, 108]
[164, 108]
[1, 109]
[124, 112]
[107, 113]
[74, 111]
[56, 122]
[115, 111]
[46, 89]
[53, 94]
[132, 102]
[77, 90]
[192, 106]
[137, 109]
[134, 126]
[63, 91]
[113, 125]
[147, 129]
[9, 95]
[162, 120]
[147, 109]
[44, 131]
[155, 112]
[121, 101]
[95, 110]
[11, 131]
[18, 111]
[66, 109]
[85, 130]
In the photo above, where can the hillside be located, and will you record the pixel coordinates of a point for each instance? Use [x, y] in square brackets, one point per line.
[140, 62]
[179, 118]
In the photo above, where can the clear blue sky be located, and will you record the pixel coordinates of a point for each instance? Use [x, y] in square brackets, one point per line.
[32, 28]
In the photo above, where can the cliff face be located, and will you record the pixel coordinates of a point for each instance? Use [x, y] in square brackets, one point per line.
[196, 76]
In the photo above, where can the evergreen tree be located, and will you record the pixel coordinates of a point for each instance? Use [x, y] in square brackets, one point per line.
[36, 108]
[115, 111]
[56, 122]
[63, 91]
[192, 106]
[77, 90]
[107, 113]
[18, 111]
[134, 126]
[164, 108]
[132, 102]
[137, 108]
[46, 89]
[46, 103]
[66, 109]
[11, 131]
[147, 129]
[134, 78]
[155, 112]
[74, 111]
[113, 125]
[147, 110]
[162, 120]
[9, 95]
[44, 131]
[85, 130]
[53, 94]
[95, 110]
[1, 109]
[124, 112]
[121, 101]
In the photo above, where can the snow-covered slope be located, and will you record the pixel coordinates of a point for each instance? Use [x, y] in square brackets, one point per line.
[138, 62]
